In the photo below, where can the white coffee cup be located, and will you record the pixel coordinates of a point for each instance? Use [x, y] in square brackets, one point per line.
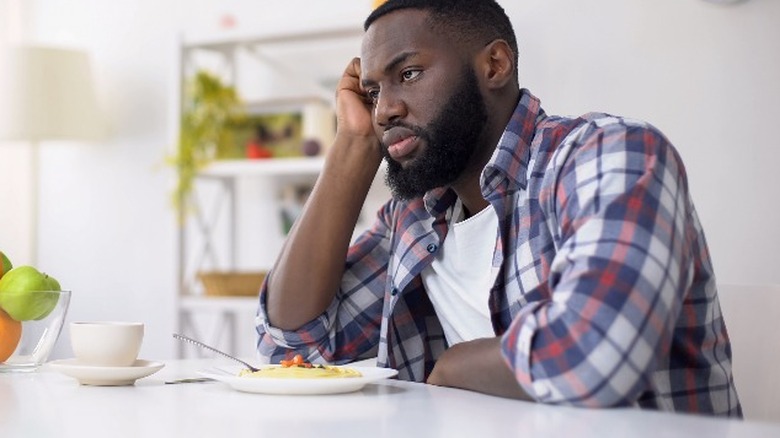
[106, 343]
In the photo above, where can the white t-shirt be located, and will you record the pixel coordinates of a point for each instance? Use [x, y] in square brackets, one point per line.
[459, 279]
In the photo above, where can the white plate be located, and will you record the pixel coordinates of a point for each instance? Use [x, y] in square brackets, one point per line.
[270, 385]
[105, 376]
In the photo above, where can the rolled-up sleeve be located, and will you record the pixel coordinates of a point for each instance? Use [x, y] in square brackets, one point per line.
[349, 328]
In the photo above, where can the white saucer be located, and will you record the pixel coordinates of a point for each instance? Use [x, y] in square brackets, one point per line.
[106, 376]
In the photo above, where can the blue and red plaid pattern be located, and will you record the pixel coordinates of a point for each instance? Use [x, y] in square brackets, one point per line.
[605, 294]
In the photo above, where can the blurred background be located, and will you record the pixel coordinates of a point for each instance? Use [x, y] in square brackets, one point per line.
[705, 74]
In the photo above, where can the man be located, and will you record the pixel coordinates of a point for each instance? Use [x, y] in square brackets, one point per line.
[523, 255]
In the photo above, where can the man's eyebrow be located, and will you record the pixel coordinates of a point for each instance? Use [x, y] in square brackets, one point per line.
[398, 59]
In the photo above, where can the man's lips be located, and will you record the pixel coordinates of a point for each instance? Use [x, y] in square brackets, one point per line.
[400, 142]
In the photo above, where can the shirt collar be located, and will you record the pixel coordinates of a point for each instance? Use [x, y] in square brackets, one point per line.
[509, 160]
[513, 151]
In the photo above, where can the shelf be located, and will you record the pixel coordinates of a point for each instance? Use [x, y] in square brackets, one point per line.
[264, 167]
[325, 51]
[224, 304]
[230, 40]
[279, 104]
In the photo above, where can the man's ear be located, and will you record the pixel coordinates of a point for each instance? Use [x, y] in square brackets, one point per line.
[497, 64]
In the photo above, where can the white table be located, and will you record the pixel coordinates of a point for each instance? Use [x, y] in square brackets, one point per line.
[48, 404]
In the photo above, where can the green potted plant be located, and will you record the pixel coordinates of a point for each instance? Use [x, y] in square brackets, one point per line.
[209, 110]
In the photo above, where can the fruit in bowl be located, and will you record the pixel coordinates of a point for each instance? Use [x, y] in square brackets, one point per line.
[5, 264]
[32, 313]
[10, 335]
[16, 297]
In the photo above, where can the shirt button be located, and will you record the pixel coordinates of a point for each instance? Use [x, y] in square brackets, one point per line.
[394, 291]
[432, 247]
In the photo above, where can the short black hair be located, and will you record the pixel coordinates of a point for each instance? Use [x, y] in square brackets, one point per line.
[478, 21]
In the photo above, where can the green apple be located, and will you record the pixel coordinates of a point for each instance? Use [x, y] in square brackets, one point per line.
[5, 264]
[53, 283]
[53, 295]
[26, 293]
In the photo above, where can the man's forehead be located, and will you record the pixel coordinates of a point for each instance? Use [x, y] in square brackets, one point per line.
[398, 31]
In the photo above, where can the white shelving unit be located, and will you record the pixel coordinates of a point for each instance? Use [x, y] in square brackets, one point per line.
[272, 167]
[272, 72]
[211, 239]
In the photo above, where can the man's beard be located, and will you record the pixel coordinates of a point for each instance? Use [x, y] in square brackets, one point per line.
[450, 141]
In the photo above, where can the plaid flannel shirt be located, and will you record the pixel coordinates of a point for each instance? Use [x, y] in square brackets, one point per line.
[604, 294]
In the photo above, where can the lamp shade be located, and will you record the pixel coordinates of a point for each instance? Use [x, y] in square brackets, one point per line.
[48, 94]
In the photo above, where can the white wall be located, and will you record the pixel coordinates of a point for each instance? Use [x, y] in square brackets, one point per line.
[752, 314]
[705, 74]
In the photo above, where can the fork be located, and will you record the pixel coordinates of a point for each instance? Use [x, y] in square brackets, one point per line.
[210, 348]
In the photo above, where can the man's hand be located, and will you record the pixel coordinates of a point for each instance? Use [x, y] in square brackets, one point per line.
[477, 365]
[353, 107]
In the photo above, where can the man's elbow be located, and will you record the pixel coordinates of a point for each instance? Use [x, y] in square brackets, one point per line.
[589, 390]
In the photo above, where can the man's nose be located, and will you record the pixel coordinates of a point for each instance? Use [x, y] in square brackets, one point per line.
[389, 107]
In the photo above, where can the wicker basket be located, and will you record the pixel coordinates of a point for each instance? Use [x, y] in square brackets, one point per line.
[231, 283]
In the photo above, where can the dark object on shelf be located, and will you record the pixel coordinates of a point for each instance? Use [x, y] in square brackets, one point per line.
[311, 148]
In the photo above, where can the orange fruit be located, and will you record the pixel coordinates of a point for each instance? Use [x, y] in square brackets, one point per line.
[10, 334]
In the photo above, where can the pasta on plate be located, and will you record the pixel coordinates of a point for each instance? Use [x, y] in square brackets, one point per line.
[297, 368]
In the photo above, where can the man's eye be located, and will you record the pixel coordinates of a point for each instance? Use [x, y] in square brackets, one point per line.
[373, 95]
[409, 75]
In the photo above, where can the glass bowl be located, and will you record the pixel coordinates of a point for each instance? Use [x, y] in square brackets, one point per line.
[37, 336]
